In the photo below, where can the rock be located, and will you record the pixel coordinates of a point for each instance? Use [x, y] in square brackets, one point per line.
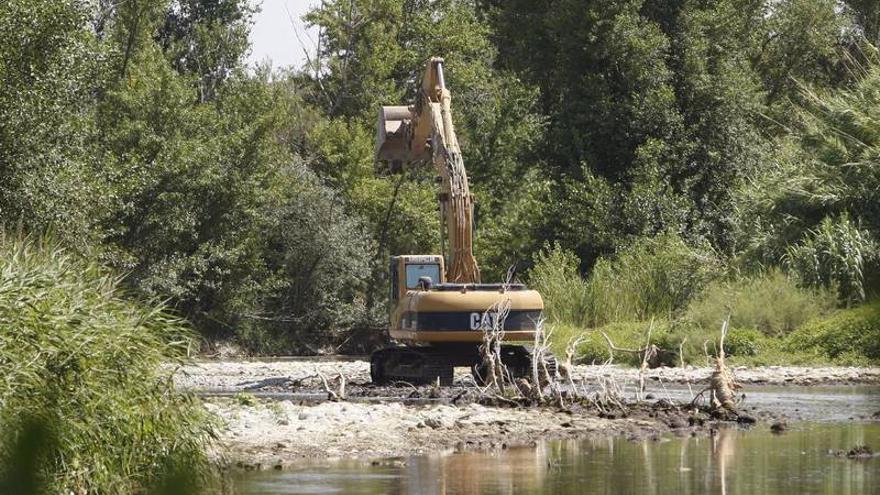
[433, 423]
[778, 427]
[860, 451]
[304, 416]
[745, 419]
[676, 423]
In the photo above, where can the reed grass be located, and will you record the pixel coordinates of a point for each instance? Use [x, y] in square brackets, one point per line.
[94, 370]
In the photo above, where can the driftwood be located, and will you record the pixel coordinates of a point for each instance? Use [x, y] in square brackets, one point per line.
[564, 367]
[722, 382]
[500, 383]
[647, 355]
[339, 393]
[492, 324]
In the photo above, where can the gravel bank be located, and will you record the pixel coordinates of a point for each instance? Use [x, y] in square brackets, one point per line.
[376, 424]
[275, 434]
[231, 376]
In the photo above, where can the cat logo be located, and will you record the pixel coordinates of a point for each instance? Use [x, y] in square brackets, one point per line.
[482, 320]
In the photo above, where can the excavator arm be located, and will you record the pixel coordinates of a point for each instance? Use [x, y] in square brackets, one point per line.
[423, 132]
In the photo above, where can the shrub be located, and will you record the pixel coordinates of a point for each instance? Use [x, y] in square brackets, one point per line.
[629, 335]
[555, 276]
[771, 303]
[743, 342]
[655, 277]
[847, 335]
[91, 367]
[834, 254]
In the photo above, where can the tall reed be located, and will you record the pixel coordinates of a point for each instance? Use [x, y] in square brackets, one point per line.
[93, 368]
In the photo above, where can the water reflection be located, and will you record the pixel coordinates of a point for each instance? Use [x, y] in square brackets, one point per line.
[731, 462]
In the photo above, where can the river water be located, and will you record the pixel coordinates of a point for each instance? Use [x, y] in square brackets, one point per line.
[801, 460]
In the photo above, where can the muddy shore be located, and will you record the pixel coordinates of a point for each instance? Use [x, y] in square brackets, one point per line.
[275, 413]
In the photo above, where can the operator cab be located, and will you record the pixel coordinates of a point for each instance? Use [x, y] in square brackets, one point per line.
[408, 271]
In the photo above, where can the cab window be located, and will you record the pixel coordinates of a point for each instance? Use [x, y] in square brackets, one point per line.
[416, 271]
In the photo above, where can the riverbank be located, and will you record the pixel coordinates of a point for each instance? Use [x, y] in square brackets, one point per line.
[276, 413]
[274, 434]
[302, 374]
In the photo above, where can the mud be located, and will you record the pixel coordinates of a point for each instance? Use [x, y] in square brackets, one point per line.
[276, 434]
[302, 376]
[276, 413]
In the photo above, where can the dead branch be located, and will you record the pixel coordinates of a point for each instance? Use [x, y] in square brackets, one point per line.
[650, 352]
[564, 368]
[492, 325]
[722, 382]
[342, 380]
[536, 365]
[681, 352]
[542, 355]
[706, 353]
[499, 381]
[646, 354]
[333, 395]
[681, 364]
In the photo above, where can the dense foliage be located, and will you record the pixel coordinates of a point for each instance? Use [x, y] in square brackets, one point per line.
[645, 164]
[641, 158]
[92, 370]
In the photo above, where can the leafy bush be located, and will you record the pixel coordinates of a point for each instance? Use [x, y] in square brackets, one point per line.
[814, 206]
[743, 342]
[555, 276]
[50, 69]
[317, 258]
[847, 335]
[771, 303]
[655, 277]
[834, 254]
[630, 335]
[91, 367]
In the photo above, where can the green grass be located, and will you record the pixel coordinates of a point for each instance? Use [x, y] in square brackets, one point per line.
[82, 367]
[653, 278]
[770, 302]
[847, 336]
[773, 320]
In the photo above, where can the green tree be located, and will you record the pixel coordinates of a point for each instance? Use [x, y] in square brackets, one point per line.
[867, 16]
[819, 193]
[651, 108]
[49, 73]
[373, 53]
[207, 39]
[803, 41]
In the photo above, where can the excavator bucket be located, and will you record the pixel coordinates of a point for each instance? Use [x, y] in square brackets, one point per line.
[392, 142]
[401, 137]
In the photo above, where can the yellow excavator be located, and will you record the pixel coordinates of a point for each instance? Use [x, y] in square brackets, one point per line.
[440, 307]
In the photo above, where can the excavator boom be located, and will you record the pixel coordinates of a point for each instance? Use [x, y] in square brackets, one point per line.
[424, 131]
